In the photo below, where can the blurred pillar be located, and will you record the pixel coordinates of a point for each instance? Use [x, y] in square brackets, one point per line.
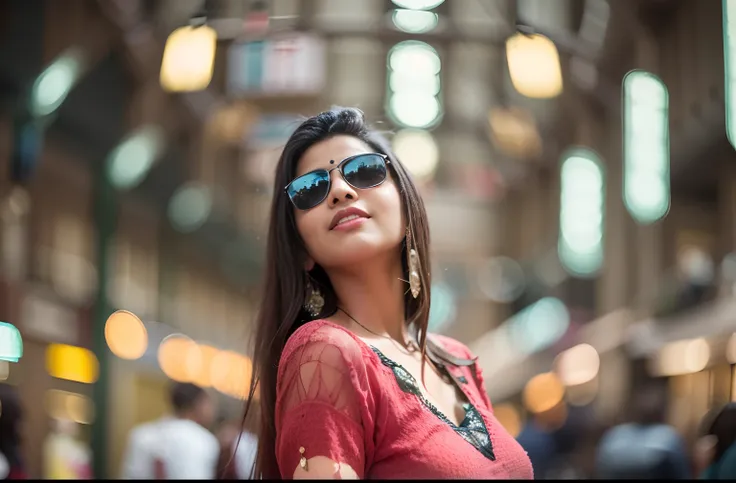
[105, 217]
[542, 14]
[167, 264]
[727, 206]
[533, 206]
[612, 289]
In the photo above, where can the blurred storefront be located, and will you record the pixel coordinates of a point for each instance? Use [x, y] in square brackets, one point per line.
[118, 191]
[50, 231]
[661, 304]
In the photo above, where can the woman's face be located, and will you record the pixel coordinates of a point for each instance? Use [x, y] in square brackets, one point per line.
[379, 227]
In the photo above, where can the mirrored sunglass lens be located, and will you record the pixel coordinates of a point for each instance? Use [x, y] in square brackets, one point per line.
[309, 190]
[365, 171]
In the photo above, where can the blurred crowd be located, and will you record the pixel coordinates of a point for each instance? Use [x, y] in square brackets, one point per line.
[188, 443]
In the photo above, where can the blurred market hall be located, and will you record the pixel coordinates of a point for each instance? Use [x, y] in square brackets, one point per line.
[576, 158]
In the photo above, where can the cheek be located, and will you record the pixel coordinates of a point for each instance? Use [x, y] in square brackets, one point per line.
[306, 225]
[388, 203]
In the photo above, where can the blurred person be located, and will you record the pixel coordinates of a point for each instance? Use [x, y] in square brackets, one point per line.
[178, 446]
[238, 450]
[227, 435]
[351, 383]
[186, 448]
[4, 467]
[65, 457]
[552, 439]
[246, 450]
[646, 447]
[716, 452]
[540, 445]
[11, 417]
[139, 462]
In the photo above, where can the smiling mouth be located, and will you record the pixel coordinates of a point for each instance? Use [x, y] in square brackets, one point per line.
[347, 219]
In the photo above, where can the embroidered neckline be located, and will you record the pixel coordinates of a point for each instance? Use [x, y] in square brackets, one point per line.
[472, 428]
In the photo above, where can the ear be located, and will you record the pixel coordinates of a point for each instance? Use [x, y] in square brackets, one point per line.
[309, 264]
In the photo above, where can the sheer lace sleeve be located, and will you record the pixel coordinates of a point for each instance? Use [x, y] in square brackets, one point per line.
[321, 399]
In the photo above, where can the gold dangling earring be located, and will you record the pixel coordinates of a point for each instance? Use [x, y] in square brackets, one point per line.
[314, 301]
[415, 282]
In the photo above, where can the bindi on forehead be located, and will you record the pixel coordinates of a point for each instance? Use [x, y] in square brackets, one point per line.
[330, 152]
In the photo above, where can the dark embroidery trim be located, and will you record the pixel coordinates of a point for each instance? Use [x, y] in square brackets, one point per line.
[472, 429]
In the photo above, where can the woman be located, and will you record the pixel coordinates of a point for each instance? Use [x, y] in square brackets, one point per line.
[716, 452]
[351, 385]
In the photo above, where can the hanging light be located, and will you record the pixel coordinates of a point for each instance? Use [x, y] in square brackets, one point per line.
[130, 162]
[189, 59]
[534, 66]
[56, 82]
[11, 343]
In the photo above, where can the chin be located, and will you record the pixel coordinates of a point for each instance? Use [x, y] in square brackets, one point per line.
[356, 250]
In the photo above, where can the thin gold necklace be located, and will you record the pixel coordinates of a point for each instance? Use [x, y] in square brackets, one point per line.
[405, 346]
[445, 377]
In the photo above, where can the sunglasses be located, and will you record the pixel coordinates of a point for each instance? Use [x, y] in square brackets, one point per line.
[361, 171]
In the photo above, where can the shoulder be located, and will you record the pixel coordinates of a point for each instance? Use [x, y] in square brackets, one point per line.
[247, 440]
[613, 436]
[322, 339]
[4, 467]
[326, 345]
[453, 346]
[143, 433]
[204, 435]
[666, 435]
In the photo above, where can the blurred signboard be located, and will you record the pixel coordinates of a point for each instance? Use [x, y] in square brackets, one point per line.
[293, 64]
[46, 320]
[272, 131]
[264, 145]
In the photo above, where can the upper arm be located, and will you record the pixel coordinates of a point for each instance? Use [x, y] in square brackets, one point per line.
[131, 457]
[680, 460]
[319, 423]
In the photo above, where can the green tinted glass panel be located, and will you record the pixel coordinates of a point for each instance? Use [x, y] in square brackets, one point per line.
[729, 64]
[646, 137]
[582, 211]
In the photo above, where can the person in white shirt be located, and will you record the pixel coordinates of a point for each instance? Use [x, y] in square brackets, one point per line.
[180, 447]
[4, 467]
[245, 455]
[138, 461]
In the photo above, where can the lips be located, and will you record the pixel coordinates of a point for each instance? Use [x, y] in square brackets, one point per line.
[346, 215]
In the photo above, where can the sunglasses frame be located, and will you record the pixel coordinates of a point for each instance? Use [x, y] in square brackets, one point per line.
[339, 167]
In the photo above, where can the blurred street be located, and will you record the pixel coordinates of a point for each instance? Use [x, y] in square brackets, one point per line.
[576, 158]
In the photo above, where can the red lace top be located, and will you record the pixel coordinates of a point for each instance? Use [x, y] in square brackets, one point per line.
[340, 398]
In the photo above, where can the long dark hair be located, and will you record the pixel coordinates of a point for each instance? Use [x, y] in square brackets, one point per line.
[281, 311]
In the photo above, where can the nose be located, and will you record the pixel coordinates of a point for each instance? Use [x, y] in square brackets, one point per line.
[340, 190]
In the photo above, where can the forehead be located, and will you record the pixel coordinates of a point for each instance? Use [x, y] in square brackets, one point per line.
[335, 148]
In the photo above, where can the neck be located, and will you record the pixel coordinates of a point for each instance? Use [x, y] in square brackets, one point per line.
[373, 293]
[186, 415]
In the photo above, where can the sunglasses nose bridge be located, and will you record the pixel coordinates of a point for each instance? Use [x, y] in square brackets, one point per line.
[339, 187]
